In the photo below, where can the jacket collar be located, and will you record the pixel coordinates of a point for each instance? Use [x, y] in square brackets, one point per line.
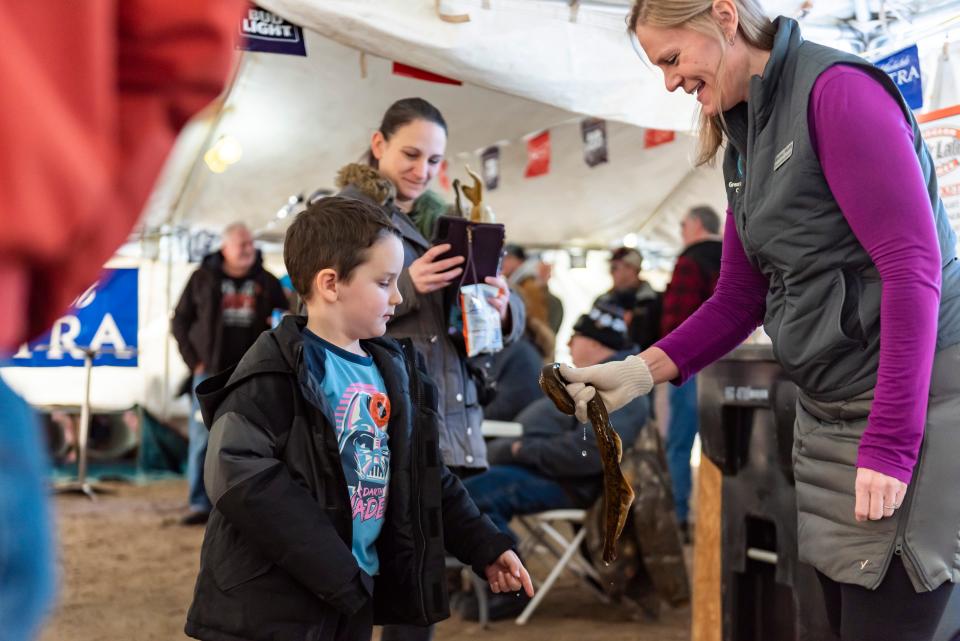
[288, 337]
[280, 351]
[408, 229]
[763, 88]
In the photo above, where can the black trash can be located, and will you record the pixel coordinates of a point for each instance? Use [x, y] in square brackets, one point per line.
[747, 410]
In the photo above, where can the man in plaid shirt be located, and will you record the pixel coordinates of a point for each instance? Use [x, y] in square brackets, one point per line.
[694, 278]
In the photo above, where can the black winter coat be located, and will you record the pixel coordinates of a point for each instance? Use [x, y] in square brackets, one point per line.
[276, 561]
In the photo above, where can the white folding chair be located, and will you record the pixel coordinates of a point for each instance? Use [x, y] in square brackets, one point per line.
[479, 590]
[544, 537]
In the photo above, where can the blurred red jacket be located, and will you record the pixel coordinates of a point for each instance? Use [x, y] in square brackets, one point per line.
[93, 95]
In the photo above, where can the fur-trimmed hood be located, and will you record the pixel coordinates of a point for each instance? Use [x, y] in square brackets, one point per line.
[359, 180]
[368, 181]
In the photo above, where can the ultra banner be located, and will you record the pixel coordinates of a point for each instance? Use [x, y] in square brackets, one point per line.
[903, 68]
[104, 319]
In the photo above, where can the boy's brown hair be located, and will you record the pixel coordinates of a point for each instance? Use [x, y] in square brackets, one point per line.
[333, 233]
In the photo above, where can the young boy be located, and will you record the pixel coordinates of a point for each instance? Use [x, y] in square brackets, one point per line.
[331, 506]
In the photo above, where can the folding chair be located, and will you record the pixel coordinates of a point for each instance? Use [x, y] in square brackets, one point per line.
[479, 589]
[544, 535]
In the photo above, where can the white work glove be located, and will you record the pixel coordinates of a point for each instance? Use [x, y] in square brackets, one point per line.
[618, 382]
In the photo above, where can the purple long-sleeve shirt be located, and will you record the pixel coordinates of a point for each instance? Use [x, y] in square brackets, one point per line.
[865, 146]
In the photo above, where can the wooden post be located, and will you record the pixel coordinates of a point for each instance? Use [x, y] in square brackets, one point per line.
[707, 612]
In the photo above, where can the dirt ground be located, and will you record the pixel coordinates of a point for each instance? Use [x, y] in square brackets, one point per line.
[127, 572]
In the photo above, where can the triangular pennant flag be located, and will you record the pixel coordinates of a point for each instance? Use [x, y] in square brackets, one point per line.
[657, 137]
[443, 177]
[538, 155]
[400, 69]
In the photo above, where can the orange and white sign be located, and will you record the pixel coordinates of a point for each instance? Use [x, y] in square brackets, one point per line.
[941, 132]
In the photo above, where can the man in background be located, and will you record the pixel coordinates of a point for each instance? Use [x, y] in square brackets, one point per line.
[640, 303]
[227, 303]
[694, 279]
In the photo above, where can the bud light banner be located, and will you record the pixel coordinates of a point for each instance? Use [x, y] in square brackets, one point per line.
[103, 319]
[903, 68]
[267, 32]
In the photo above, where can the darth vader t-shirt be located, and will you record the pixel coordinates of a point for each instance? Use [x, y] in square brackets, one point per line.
[355, 391]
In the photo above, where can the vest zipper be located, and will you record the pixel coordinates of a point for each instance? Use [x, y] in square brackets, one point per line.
[416, 399]
[899, 547]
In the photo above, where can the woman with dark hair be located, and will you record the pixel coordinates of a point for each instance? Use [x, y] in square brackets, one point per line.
[837, 241]
[405, 154]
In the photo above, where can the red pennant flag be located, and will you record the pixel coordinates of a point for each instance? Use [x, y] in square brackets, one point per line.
[443, 177]
[657, 137]
[538, 155]
[400, 69]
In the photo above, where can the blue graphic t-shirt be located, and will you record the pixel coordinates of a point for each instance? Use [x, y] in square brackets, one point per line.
[355, 391]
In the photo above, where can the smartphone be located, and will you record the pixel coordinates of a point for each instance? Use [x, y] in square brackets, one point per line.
[481, 245]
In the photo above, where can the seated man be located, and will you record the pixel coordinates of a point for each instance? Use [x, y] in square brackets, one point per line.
[556, 463]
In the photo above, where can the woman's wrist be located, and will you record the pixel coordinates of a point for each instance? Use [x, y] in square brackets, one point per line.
[662, 367]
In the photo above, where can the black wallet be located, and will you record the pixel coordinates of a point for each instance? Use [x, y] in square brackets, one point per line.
[481, 245]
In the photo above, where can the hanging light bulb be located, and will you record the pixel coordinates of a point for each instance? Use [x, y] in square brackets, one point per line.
[230, 149]
[213, 161]
[224, 152]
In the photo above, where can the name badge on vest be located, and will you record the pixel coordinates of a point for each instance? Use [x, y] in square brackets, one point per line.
[783, 156]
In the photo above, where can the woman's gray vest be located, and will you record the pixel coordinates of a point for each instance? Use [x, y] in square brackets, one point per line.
[823, 305]
[823, 315]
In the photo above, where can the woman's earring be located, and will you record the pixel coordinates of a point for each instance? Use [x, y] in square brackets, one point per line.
[730, 41]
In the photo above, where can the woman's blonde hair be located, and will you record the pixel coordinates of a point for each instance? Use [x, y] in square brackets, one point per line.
[755, 28]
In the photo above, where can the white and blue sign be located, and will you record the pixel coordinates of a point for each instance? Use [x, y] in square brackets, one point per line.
[903, 68]
[103, 319]
[262, 30]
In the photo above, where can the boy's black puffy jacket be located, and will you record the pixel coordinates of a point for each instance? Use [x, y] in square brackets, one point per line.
[276, 561]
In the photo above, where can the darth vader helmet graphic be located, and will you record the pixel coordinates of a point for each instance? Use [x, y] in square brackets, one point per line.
[364, 437]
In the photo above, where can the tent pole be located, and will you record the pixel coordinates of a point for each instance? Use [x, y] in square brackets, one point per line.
[84, 429]
[82, 485]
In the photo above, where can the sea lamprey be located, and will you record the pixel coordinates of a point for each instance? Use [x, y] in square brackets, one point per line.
[617, 493]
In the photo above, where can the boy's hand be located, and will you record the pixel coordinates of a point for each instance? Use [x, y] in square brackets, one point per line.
[507, 574]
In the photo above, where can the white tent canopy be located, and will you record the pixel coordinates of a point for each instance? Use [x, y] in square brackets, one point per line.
[298, 120]
[576, 55]
[526, 66]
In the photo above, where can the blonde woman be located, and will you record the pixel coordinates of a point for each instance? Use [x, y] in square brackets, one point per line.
[837, 241]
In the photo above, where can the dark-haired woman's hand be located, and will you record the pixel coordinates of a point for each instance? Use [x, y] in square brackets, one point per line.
[429, 274]
[500, 302]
